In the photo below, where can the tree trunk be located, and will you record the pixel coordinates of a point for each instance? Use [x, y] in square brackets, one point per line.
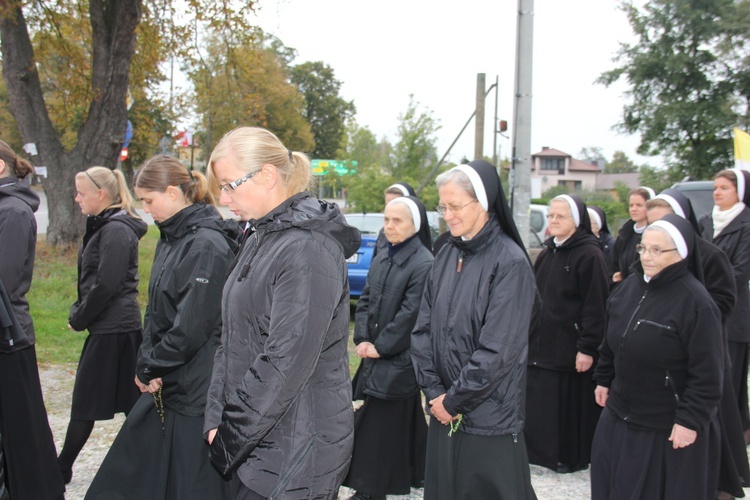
[113, 26]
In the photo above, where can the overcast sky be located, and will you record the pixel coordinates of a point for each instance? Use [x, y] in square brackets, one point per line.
[384, 51]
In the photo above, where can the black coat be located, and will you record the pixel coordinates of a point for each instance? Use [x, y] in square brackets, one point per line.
[734, 240]
[662, 355]
[18, 247]
[624, 254]
[182, 327]
[607, 244]
[108, 274]
[281, 393]
[386, 313]
[12, 335]
[471, 337]
[573, 285]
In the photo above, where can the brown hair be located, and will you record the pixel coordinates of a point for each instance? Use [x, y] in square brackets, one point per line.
[19, 167]
[643, 193]
[113, 183]
[162, 171]
[658, 202]
[729, 175]
[253, 147]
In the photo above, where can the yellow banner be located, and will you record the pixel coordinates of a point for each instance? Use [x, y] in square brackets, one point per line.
[741, 149]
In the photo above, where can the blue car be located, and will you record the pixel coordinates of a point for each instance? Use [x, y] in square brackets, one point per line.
[369, 226]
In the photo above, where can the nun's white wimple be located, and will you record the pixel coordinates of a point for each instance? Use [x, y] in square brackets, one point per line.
[413, 208]
[679, 240]
[593, 214]
[401, 188]
[476, 183]
[676, 207]
[573, 207]
[740, 183]
[651, 192]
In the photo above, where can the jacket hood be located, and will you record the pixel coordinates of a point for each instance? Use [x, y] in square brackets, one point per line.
[120, 215]
[21, 189]
[306, 212]
[200, 215]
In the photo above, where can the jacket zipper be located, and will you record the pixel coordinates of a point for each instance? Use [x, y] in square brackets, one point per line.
[624, 334]
[669, 382]
[652, 323]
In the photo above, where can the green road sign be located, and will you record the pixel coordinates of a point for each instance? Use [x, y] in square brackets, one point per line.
[342, 167]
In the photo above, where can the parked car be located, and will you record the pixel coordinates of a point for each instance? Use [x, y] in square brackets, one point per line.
[538, 221]
[535, 245]
[700, 194]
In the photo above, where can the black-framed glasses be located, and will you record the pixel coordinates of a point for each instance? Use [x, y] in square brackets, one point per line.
[441, 209]
[653, 251]
[231, 186]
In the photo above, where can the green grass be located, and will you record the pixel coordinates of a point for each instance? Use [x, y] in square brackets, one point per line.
[53, 291]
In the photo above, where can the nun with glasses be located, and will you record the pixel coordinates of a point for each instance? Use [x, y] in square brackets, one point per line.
[392, 192]
[718, 278]
[390, 431]
[571, 276]
[470, 343]
[728, 227]
[659, 376]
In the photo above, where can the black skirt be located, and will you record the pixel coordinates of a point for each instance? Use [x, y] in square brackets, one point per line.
[390, 442]
[31, 469]
[734, 472]
[105, 380]
[468, 467]
[148, 461]
[630, 464]
[561, 417]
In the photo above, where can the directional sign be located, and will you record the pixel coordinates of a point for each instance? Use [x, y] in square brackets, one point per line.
[342, 167]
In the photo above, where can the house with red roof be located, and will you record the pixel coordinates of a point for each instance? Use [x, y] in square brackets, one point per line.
[551, 167]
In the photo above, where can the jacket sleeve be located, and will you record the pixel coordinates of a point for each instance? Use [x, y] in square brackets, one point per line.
[719, 281]
[195, 301]
[361, 333]
[503, 339]
[395, 337]
[16, 229]
[604, 369]
[214, 397]
[422, 353]
[741, 258]
[304, 298]
[705, 360]
[115, 247]
[593, 287]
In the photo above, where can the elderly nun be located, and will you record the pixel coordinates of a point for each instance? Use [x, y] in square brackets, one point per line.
[390, 432]
[571, 276]
[659, 376]
[470, 343]
[718, 278]
[392, 192]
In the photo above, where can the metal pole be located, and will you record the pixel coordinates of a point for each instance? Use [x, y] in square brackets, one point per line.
[495, 127]
[521, 187]
[479, 123]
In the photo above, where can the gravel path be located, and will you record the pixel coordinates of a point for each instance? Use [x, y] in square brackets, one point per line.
[57, 384]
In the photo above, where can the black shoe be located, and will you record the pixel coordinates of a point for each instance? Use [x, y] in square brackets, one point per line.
[364, 496]
[568, 468]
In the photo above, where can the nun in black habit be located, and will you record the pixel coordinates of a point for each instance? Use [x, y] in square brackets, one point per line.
[392, 192]
[659, 376]
[390, 432]
[470, 343]
[716, 275]
[571, 276]
[600, 229]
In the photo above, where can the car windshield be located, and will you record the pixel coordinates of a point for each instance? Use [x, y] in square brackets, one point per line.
[366, 223]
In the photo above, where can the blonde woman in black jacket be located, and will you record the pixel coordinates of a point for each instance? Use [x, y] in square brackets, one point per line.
[107, 306]
[390, 432]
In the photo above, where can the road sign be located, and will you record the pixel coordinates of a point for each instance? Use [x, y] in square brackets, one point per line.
[342, 167]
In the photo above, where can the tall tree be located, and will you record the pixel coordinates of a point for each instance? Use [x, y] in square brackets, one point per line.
[325, 110]
[365, 188]
[113, 35]
[620, 164]
[685, 91]
[415, 151]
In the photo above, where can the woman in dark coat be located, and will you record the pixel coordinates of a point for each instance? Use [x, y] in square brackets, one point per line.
[160, 451]
[571, 276]
[600, 229]
[470, 343]
[624, 254]
[107, 306]
[718, 278]
[728, 227]
[390, 431]
[279, 415]
[659, 377]
[25, 437]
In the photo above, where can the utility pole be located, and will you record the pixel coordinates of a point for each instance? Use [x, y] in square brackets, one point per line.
[479, 122]
[495, 129]
[521, 166]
